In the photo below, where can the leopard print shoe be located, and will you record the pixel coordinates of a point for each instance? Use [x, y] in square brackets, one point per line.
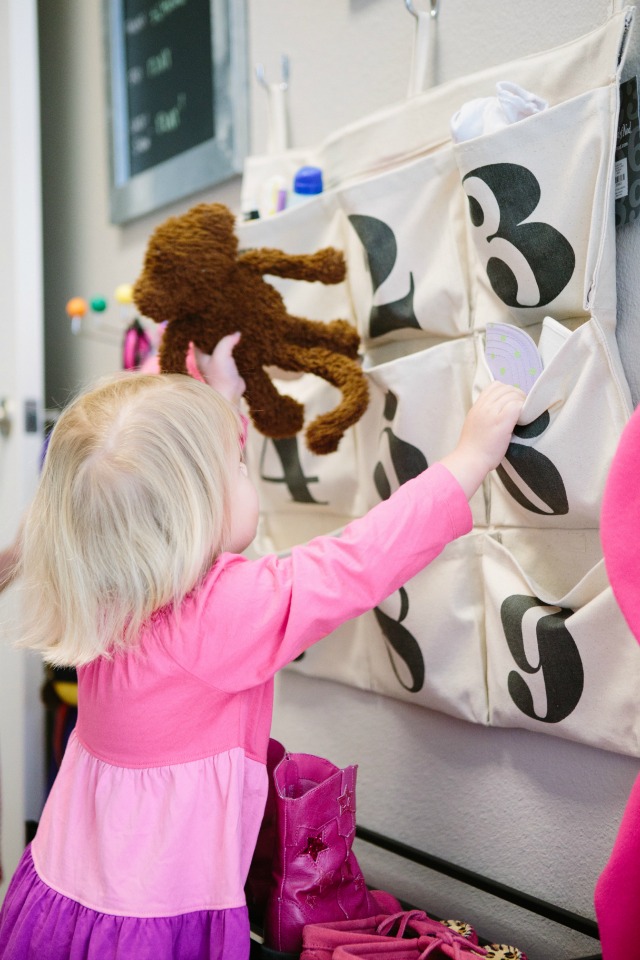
[501, 951]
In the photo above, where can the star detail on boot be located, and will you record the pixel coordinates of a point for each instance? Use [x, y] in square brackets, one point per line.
[345, 801]
[326, 881]
[312, 902]
[315, 846]
[358, 882]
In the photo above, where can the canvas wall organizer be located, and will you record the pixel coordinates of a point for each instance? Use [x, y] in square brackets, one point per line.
[515, 624]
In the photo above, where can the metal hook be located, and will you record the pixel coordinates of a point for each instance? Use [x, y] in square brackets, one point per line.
[425, 54]
[284, 83]
[278, 135]
[433, 12]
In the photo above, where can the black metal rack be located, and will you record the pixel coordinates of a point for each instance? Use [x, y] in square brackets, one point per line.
[542, 908]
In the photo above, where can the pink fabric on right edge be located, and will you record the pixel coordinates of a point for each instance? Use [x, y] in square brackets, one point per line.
[617, 896]
[617, 893]
[620, 521]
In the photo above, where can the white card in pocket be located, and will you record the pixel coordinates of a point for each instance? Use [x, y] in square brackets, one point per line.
[555, 468]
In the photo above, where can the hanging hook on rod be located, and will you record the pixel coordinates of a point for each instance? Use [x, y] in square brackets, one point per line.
[284, 71]
[434, 9]
[278, 134]
[425, 51]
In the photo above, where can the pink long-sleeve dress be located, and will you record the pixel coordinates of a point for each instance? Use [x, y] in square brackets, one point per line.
[146, 838]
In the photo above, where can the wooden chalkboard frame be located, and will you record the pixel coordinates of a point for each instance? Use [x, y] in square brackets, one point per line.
[210, 162]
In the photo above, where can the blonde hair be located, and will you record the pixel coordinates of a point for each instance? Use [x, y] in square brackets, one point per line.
[130, 512]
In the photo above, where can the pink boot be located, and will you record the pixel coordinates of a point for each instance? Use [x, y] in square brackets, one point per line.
[316, 877]
[260, 875]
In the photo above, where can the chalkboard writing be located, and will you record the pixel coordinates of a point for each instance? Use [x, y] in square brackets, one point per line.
[169, 79]
[178, 111]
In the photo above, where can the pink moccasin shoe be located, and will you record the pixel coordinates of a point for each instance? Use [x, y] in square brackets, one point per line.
[320, 940]
[420, 949]
[451, 946]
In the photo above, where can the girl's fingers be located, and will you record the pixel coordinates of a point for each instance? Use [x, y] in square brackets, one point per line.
[224, 345]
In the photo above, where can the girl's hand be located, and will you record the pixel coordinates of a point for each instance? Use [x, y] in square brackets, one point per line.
[219, 368]
[485, 436]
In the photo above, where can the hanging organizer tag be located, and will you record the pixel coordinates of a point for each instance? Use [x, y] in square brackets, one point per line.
[627, 160]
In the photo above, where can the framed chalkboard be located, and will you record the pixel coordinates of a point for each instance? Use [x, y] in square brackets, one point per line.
[178, 99]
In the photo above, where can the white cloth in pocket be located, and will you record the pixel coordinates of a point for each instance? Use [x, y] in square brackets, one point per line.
[483, 115]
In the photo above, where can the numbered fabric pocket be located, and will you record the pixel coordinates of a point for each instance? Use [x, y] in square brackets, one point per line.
[303, 495]
[262, 172]
[540, 213]
[423, 644]
[514, 624]
[556, 465]
[430, 646]
[417, 407]
[407, 260]
[342, 656]
[560, 657]
[316, 224]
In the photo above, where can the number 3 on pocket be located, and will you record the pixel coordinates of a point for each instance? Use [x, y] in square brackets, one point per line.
[528, 264]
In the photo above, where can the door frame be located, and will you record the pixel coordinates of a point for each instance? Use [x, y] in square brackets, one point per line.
[22, 773]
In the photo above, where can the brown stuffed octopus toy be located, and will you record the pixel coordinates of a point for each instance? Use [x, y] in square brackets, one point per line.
[194, 278]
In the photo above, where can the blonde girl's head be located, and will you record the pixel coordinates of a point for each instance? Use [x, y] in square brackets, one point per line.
[130, 512]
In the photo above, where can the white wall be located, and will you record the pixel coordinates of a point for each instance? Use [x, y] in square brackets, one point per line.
[21, 380]
[527, 809]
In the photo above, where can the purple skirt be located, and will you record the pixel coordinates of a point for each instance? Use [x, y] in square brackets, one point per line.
[36, 923]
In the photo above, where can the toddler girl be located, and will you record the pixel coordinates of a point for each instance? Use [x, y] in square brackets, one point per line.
[134, 574]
